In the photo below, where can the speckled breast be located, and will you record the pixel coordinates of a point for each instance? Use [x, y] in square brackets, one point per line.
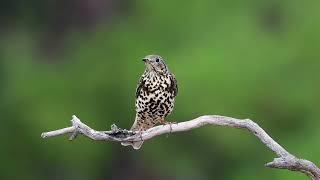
[155, 100]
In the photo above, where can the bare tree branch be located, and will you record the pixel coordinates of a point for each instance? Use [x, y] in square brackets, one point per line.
[284, 159]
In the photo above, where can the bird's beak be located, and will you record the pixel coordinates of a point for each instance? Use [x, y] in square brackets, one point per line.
[145, 60]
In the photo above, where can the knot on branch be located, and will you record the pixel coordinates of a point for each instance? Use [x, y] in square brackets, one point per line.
[292, 163]
[282, 162]
[117, 132]
[75, 124]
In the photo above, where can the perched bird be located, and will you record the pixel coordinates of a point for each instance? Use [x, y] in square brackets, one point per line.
[155, 94]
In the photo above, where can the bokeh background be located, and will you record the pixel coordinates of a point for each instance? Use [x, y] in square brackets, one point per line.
[255, 59]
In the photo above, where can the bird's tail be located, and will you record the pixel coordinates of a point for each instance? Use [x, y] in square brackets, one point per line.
[136, 144]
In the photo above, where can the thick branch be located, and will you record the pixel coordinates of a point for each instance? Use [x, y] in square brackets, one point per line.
[284, 159]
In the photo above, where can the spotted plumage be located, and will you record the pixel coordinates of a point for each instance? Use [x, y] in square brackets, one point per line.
[155, 95]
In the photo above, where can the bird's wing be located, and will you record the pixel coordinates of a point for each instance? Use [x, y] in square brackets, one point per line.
[174, 85]
[140, 86]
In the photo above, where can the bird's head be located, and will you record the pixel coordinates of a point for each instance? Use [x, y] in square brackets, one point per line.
[155, 63]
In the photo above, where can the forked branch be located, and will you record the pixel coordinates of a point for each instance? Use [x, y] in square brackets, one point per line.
[284, 159]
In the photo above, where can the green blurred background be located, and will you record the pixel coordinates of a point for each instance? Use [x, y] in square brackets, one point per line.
[256, 59]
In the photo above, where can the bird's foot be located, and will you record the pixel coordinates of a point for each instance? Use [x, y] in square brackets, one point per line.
[164, 122]
[140, 133]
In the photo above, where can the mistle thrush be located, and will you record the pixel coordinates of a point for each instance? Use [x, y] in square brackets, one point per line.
[155, 94]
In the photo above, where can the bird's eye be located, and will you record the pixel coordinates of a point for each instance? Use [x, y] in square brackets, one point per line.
[157, 60]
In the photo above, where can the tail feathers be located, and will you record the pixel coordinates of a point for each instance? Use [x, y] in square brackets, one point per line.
[136, 145]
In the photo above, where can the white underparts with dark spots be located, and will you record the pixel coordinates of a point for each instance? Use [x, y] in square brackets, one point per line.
[154, 99]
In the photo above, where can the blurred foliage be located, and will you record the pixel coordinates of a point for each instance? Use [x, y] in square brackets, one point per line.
[245, 59]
